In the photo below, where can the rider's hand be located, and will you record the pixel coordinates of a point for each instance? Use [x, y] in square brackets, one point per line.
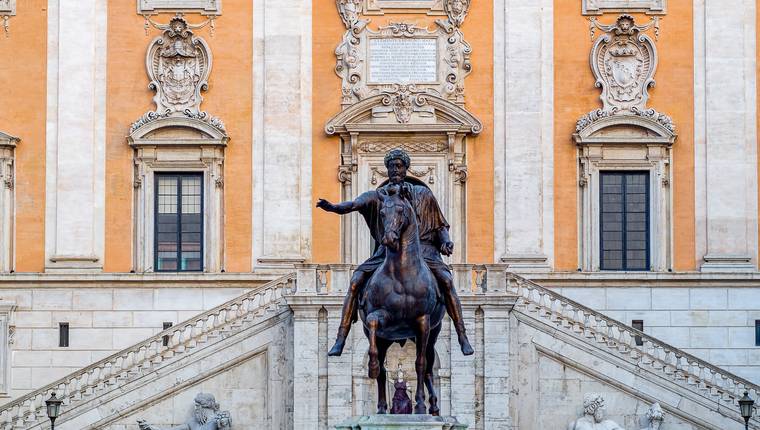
[447, 248]
[325, 205]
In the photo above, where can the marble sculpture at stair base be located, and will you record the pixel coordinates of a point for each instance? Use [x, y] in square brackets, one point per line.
[206, 416]
[593, 416]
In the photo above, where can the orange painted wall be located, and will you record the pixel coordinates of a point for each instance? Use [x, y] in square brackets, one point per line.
[326, 149]
[326, 33]
[478, 31]
[575, 95]
[23, 78]
[229, 97]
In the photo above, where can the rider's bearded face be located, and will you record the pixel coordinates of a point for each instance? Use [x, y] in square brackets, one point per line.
[396, 171]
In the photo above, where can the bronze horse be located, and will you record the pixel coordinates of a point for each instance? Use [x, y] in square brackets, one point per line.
[401, 301]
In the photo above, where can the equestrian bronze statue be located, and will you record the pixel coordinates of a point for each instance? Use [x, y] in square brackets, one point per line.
[404, 288]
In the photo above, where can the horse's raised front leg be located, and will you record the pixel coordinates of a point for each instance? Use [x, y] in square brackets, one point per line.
[423, 335]
[382, 399]
[430, 362]
[374, 320]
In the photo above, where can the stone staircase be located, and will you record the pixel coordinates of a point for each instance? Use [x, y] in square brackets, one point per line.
[123, 385]
[687, 378]
[91, 386]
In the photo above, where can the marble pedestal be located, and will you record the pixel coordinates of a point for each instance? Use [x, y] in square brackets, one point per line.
[401, 422]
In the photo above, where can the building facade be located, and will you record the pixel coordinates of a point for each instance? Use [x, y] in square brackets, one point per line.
[162, 157]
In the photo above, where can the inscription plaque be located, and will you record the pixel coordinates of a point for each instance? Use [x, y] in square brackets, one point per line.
[403, 60]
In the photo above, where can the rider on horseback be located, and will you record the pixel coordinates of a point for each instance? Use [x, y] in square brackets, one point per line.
[434, 240]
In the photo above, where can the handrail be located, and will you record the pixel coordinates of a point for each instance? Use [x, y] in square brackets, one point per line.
[644, 348]
[76, 384]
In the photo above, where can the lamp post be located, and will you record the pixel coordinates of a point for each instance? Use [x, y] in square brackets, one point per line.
[53, 409]
[745, 405]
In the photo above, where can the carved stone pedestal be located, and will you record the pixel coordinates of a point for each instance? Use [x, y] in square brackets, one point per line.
[401, 422]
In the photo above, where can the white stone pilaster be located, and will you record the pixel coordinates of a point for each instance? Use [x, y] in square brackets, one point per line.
[339, 371]
[496, 368]
[305, 365]
[281, 134]
[523, 134]
[463, 389]
[75, 144]
[725, 134]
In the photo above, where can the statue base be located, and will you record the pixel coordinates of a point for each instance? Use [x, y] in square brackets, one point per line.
[401, 422]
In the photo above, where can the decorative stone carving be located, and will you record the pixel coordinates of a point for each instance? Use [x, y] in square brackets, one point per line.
[206, 416]
[7, 10]
[456, 10]
[349, 11]
[178, 65]
[411, 145]
[204, 7]
[624, 61]
[598, 7]
[655, 416]
[439, 73]
[593, 415]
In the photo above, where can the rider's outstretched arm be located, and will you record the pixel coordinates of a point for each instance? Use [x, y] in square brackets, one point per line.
[343, 208]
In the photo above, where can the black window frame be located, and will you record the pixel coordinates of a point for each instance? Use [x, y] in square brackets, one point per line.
[757, 332]
[647, 215]
[63, 334]
[179, 175]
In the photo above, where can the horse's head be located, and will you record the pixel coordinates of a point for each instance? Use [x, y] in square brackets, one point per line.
[395, 214]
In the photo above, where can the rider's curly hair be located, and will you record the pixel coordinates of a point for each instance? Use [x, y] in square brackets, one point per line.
[397, 154]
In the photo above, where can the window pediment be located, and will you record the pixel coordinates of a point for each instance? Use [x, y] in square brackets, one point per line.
[404, 111]
[177, 131]
[8, 141]
[654, 128]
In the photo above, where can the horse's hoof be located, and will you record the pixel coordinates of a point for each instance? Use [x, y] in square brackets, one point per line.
[374, 368]
[419, 409]
[382, 411]
[434, 411]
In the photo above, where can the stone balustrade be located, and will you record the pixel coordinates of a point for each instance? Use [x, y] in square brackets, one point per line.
[643, 350]
[167, 346]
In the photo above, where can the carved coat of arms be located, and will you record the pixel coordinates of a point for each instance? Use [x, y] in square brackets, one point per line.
[178, 65]
[624, 61]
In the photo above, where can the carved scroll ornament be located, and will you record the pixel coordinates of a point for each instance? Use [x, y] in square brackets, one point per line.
[453, 61]
[624, 61]
[456, 10]
[178, 65]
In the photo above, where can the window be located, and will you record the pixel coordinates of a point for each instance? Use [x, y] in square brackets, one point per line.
[166, 336]
[63, 334]
[179, 222]
[757, 332]
[624, 220]
[638, 325]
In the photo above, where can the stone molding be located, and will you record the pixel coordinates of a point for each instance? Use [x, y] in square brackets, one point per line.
[7, 338]
[598, 7]
[178, 144]
[380, 7]
[352, 64]
[7, 200]
[204, 7]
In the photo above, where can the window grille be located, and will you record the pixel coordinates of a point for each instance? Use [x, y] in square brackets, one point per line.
[179, 223]
[624, 221]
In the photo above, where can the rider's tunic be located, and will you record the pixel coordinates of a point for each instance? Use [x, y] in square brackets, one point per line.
[430, 220]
